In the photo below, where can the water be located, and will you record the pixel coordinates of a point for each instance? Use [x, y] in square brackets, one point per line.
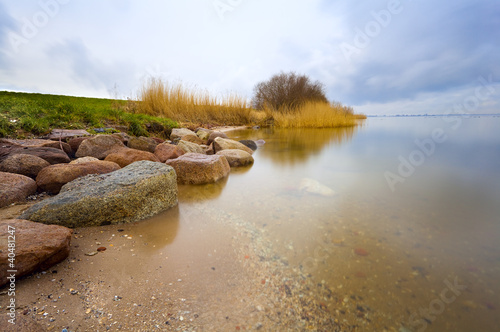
[390, 226]
[417, 248]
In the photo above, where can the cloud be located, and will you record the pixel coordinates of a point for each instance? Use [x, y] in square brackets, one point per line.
[6, 25]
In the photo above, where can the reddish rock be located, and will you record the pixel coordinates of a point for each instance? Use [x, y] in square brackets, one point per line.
[99, 146]
[361, 252]
[142, 143]
[101, 249]
[74, 143]
[195, 168]
[38, 246]
[23, 164]
[52, 155]
[126, 156]
[15, 188]
[214, 135]
[52, 178]
[43, 143]
[166, 151]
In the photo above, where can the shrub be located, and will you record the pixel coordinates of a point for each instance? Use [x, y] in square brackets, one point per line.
[287, 91]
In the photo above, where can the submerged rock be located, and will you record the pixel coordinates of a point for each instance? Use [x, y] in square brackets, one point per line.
[314, 187]
[132, 193]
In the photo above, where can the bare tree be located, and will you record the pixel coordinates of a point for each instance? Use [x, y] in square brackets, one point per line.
[287, 91]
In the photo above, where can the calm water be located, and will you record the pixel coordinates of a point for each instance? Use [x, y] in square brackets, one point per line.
[410, 239]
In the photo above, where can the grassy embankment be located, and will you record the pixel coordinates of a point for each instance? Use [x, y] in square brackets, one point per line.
[29, 114]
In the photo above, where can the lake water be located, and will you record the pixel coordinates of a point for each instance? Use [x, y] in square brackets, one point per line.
[410, 241]
[390, 226]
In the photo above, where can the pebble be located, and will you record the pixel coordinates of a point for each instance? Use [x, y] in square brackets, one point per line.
[361, 252]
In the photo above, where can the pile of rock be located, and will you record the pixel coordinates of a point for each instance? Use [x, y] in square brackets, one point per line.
[104, 179]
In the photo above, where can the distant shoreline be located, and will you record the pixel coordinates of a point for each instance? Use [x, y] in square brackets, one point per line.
[429, 115]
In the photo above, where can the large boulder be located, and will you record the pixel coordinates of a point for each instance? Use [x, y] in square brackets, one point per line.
[166, 151]
[52, 178]
[132, 193]
[177, 133]
[213, 135]
[37, 246]
[23, 164]
[190, 147]
[195, 168]
[15, 188]
[142, 143]
[127, 156]
[99, 146]
[236, 157]
[226, 144]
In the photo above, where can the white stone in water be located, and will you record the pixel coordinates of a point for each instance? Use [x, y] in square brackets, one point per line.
[314, 187]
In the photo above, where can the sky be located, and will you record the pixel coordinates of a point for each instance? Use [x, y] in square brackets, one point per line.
[381, 57]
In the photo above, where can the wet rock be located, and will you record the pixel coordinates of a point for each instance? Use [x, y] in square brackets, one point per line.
[177, 133]
[227, 144]
[214, 135]
[135, 192]
[249, 143]
[194, 168]
[127, 156]
[142, 143]
[23, 164]
[52, 178]
[237, 158]
[166, 151]
[192, 138]
[15, 188]
[190, 147]
[38, 246]
[99, 146]
[314, 187]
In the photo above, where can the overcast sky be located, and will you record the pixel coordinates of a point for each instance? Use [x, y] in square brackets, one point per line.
[382, 57]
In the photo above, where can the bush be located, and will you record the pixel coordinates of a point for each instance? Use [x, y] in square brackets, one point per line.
[287, 91]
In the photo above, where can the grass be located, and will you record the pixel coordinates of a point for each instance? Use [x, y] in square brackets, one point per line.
[194, 106]
[30, 114]
[315, 115]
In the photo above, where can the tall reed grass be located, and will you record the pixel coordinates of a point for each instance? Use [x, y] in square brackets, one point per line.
[190, 105]
[314, 115]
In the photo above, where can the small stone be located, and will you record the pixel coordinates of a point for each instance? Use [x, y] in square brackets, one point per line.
[73, 291]
[361, 252]
[92, 253]
[100, 249]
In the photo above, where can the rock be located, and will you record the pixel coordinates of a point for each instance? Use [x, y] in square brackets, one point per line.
[214, 135]
[237, 158]
[260, 142]
[23, 164]
[360, 252]
[249, 143]
[15, 188]
[83, 160]
[167, 151]
[192, 138]
[203, 134]
[64, 134]
[132, 193]
[43, 143]
[99, 146]
[142, 143]
[226, 144]
[52, 178]
[314, 187]
[52, 155]
[38, 246]
[177, 133]
[195, 168]
[127, 156]
[74, 143]
[190, 147]
[122, 137]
